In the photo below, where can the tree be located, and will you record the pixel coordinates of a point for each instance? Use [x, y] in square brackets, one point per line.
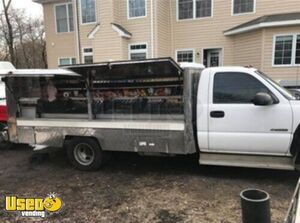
[8, 33]
[21, 31]
[26, 48]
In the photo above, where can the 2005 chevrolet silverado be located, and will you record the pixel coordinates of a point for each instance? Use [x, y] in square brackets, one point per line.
[230, 116]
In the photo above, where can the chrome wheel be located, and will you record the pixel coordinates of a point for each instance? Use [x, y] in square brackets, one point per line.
[84, 154]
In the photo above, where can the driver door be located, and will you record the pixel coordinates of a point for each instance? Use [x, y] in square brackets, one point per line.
[236, 125]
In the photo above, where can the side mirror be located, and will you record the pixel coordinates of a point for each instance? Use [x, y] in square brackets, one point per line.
[263, 99]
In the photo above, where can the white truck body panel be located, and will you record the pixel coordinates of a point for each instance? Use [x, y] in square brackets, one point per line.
[5, 65]
[202, 111]
[296, 111]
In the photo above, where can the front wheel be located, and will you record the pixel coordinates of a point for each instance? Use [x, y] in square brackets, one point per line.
[85, 153]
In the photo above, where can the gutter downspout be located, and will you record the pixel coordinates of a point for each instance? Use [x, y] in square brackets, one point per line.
[172, 30]
[156, 30]
[77, 31]
[152, 28]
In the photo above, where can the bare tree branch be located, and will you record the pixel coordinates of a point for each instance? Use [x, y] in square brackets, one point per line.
[23, 43]
[6, 6]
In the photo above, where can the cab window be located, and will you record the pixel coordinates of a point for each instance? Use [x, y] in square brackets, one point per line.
[236, 88]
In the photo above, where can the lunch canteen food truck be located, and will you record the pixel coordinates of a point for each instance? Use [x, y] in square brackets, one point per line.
[229, 116]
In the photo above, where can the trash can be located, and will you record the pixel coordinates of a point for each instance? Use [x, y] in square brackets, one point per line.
[255, 206]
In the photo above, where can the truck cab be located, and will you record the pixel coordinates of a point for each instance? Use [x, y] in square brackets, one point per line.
[241, 111]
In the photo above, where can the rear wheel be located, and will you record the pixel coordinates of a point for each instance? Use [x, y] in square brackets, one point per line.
[85, 153]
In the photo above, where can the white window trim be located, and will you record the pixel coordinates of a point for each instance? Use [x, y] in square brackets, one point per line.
[67, 8]
[194, 12]
[293, 62]
[137, 51]
[137, 17]
[243, 13]
[212, 48]
[87, 54]
[80, 13]
[185, 49]
[67, 57]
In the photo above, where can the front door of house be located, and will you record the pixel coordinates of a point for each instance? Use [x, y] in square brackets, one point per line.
[213, 57]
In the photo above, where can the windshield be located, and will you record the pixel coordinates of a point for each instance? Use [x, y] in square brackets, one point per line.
[281, 89]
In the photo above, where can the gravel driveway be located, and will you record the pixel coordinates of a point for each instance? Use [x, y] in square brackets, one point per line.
[138, 189]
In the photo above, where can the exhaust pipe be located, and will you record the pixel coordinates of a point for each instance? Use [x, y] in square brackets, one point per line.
[255, 206]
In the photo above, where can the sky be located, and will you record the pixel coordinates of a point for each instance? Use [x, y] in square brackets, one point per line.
[31, 8]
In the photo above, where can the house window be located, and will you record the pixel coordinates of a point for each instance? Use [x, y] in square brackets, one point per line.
[287, 50]
[243, 6]
[203, 8]
[88, 56]
[138, 52]
[64, 18]
[298, 50]
[88, 11]
[136, 8]
[66, 61]
[185, 56]
[186, 9]
[192, 9]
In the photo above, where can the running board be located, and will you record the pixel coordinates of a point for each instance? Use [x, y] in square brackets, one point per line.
[267, 162]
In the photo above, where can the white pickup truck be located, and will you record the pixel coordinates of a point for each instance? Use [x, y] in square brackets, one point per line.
[230, 116]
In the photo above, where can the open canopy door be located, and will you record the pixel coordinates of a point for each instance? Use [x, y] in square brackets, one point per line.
[140, 69]
[37, 73]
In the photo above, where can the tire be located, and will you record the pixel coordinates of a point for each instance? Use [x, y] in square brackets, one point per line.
[85, 153]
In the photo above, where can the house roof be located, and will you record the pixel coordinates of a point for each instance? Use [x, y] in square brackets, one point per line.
[121, 30]
[93, 32]
[266, 21]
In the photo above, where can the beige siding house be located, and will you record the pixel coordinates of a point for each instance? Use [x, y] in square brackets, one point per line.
[260, 33]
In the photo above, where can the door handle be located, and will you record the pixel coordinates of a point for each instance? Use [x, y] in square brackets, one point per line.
[217, 114]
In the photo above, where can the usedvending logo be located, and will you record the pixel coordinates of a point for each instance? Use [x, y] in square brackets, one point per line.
[33, 207]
